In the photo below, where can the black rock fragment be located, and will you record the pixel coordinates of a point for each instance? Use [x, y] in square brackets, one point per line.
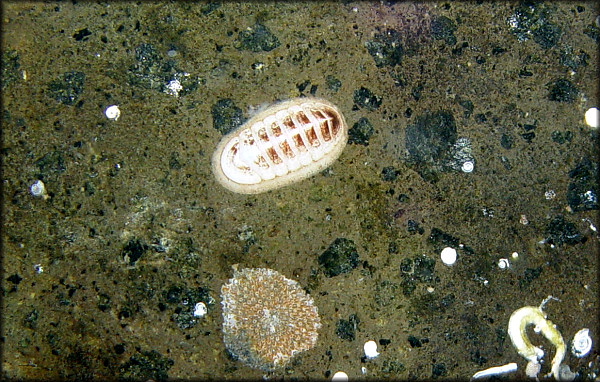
[582, 192]
[365, 98]
[340, 257]
[333, 83]
[389, 173]
[226, 116]
[386, 48]
[562, 90]
[67, 88]
[82, 34]
[560, 231]
[132, 251]
[429, 139]
[148, 365]
[442, 28]
[360, 132]
[532, 19]
[257, 38]
[346, 329]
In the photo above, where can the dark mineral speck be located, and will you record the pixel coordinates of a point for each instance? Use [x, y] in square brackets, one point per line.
[582, 192]
[340, 257]
[360, 132]
[148, 365]
[333, 83]
[414, 341]
[365, 98]
[226, 116]
[15, 279]
[442, 28]
[346, 329]
[561, 137]
[132, 251]
[67, 88]
[532, 20]
[507, 141]
[438, 370]
[386, 48]
[573, 60]
[560, 231]
[389, 173]
[82, 35]
[257, 38]
[119, 348]
[430, 137]
[562, 90]
[419, 269]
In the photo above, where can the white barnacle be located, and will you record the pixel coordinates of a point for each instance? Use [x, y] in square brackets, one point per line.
[38, 189]
[533, 315]
[370, 348]
[112, 112]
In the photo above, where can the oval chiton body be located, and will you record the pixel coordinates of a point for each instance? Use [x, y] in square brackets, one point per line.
[285, 143]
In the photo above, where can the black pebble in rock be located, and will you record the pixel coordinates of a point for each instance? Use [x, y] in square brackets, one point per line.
[67, 87]
[563, 90]
[431, 136]
[257, 38]
[386, 48]
[340, 257]
[365, 98]
[346, 329]
[443, 28]
[133, 250]
[582, 193]
[559, 232]
[360, 132]
[226, 116]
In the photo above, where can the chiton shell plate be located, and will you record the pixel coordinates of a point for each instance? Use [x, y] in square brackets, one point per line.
[285, 143]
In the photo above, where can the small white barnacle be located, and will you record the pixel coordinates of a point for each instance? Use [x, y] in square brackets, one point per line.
[38, 189]
[582, 343]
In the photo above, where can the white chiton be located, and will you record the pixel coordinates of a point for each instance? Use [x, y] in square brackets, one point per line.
[286, 142]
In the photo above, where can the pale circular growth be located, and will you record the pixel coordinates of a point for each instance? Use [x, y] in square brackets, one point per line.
[112, 112]
[448, 256]
[339, 376]
[592, 117]
[285, 143]
[370, 348]
[267, 318]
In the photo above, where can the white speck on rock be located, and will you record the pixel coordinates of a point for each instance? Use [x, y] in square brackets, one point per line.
[200, 309]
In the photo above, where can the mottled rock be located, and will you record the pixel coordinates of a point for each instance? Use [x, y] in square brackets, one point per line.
[67, 88]
[582, 193]
[226, 116]
[360, 132]
[430, 138]
[340, 257]
[366, 99]
[257, 38]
